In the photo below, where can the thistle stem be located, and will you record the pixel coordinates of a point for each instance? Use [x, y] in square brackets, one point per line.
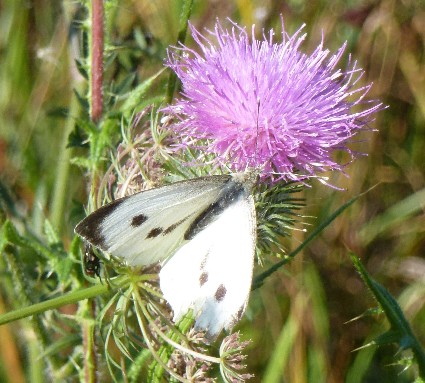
[97, 61]
[72, 297]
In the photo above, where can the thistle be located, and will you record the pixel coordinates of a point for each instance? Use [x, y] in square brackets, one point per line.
[266, 105]
[245, 104]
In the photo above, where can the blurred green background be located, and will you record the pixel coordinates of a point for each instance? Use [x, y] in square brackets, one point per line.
[299, 319]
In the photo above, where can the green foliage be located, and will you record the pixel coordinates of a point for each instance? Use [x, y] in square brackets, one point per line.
[276, 216]
[400, 331]
[53, 159]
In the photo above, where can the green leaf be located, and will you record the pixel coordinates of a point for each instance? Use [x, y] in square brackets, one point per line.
[137, 95]
[83, 101]
[82, 162]
[81, 67]
[51, 234]
[388, 337]
[77, 138]
[125, 85]
[59, 112]
[396, 214]
[400, 331]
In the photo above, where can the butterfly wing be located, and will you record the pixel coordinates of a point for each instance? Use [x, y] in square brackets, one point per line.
[212, 273]
[146, 227]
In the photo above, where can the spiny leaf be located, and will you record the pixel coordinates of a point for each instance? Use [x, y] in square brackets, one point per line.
[400, 331]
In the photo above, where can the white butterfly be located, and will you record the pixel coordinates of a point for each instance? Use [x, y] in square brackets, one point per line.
[202, 230]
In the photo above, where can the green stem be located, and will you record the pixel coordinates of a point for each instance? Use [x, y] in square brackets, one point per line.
[259, 279]
[72, 297]
[88, 329]
[420, 357]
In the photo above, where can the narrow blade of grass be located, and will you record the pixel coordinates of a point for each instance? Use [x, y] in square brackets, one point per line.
[259, 279]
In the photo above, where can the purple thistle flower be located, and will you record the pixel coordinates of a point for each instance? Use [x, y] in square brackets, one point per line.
[265, 105]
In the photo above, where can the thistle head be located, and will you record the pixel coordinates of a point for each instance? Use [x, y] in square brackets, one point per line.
[266, 105]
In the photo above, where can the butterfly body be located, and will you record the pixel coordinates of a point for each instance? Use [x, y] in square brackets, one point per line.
[203, 231]
[91, 262]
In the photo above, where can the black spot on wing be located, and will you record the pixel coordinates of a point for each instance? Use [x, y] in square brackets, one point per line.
[90, 228]
[155, 232]
[229, 195]
[220, 293]
[203, 279]
[174, 226]
[138, 220]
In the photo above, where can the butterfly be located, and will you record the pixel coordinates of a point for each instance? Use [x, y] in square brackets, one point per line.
[203, 231]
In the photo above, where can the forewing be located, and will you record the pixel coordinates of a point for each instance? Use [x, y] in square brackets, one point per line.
[146, 227]
[212, 273]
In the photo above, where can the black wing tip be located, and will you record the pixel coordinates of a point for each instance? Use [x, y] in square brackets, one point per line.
[90, 228]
